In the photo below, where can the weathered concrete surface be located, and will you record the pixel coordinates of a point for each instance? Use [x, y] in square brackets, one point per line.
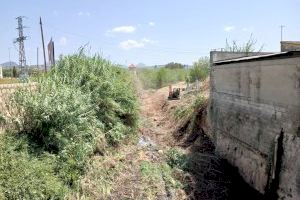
[224, 55]
[7, 89]
[251, 103]
[290, 45]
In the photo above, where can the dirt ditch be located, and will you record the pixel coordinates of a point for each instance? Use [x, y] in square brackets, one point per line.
[195, 172]
[207, 176]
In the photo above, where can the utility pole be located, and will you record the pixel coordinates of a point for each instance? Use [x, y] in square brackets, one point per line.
[281, 32]
[42, 33]
[20, 40]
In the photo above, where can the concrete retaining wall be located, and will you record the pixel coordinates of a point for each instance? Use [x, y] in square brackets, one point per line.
[224, 55]
[251, 104]
[7, 89]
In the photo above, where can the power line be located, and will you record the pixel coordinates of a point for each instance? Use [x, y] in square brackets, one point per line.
[281, 32]
[20, 40]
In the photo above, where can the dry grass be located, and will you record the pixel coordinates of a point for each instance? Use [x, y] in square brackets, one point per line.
[99, 180]
[140, 172]
[9, 80]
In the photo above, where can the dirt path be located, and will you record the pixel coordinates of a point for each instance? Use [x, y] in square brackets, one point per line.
[143, 176]
[145, 173]
[155, 117]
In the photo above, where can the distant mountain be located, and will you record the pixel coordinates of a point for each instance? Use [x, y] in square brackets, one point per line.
[9, 64]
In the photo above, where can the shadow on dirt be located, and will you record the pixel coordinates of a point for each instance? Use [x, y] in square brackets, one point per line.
[212, 178]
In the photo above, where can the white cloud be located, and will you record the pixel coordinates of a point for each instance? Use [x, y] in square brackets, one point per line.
[131, 44]
[124, 29]
[151, 24]
[62, 41]
[229, 28]
[146, 40]
[81, 14]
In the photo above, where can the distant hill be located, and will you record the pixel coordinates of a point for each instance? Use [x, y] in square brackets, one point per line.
[8, 64]
[12, 64]
[140, 65]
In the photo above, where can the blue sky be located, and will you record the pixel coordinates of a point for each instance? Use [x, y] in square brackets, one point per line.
[147, 31]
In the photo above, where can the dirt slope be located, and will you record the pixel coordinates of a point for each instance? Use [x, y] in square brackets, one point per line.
[145, 173]
[155, 138]
[157, 123]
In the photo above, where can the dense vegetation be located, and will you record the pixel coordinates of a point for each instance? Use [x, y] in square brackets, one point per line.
[159, 77]
[200, 70]
[173, 72]
[81, 107]
[173, 65]
[14, 72]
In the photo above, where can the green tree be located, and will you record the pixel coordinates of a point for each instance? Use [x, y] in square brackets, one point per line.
[161, 77]
[173, 65]
[14, 72]
[7, 72]
[199, 70]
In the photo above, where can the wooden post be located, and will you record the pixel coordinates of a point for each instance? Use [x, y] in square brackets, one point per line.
[45, 65]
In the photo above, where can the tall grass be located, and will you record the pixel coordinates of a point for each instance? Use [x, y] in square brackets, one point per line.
[78, 108]
[154, 78]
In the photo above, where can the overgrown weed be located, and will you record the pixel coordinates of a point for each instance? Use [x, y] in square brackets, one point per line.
[82, 107]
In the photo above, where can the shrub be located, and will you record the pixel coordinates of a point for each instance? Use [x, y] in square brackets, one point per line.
[55, 115]
[159, 77]
[25, 177]
[110, 89]
[177, 159]
[74, 107]
[59, 119]
[200, 70]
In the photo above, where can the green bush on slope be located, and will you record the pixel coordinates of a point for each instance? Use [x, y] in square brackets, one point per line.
[155, 78]
[23, 176]
[79, 101]
[109, 86]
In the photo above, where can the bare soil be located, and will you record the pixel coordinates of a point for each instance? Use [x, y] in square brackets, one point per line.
[209, 177]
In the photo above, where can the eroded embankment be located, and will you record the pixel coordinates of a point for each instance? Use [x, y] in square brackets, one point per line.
[211, 177]
[172, 158]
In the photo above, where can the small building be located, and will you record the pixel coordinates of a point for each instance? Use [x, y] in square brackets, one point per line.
[290, 46]
[132, 68]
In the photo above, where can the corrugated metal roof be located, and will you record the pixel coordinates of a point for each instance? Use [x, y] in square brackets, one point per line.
[259, 57]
